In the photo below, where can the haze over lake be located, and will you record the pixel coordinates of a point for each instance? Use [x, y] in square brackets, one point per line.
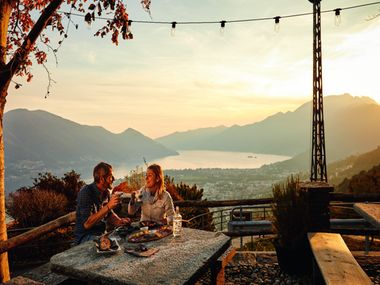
[193, 159]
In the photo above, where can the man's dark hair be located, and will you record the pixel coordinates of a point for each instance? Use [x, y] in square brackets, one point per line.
[102, 169]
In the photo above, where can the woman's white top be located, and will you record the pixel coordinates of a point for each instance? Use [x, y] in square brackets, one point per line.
[153, 208]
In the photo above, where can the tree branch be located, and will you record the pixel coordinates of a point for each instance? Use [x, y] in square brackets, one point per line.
[22, 52]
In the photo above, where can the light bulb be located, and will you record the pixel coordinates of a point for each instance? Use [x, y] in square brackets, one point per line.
[172, 32]
[277, 24]
[338, 18]
[222, 26]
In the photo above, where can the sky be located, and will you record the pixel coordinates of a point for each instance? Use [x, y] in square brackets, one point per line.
[202, 77]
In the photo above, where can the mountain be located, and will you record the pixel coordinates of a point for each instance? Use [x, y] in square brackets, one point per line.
[38, 141]
[350, 127]
[192, 139]
[338, 171]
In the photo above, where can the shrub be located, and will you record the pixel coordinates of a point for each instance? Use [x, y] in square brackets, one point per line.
[290, 209]
[291, 222]
[34, 207]
[69, 185]
[135, 179]
[183, 191]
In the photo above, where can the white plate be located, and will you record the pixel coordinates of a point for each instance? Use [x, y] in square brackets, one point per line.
[113, 240]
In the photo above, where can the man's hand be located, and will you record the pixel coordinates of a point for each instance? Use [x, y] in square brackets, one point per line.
[114, 201]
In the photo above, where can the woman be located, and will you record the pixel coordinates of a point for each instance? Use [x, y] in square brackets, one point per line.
[155, 202]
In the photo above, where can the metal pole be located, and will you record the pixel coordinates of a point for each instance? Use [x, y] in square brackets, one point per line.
[318, 157]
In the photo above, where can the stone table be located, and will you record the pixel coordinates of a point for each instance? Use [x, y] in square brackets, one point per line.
[180, 260]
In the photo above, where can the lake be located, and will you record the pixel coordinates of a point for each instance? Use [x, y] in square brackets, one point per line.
[217, 159]
[193, 159]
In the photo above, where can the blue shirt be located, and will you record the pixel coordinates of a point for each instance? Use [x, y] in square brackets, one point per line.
[89, 201]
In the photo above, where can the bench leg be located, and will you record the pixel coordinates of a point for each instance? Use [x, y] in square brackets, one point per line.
[366, 246]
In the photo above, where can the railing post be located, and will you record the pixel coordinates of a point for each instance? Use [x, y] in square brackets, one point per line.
[318, 199]
[221, 220]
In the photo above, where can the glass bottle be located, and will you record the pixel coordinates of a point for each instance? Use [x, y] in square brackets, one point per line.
[177, 223]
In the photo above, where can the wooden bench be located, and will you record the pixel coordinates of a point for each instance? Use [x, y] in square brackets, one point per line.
[250, 227]
[335, 261]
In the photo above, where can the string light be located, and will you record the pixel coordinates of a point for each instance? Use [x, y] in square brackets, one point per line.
[223, 23]
[277, 24]
[172, 32]
[338, 18]
[222, 26]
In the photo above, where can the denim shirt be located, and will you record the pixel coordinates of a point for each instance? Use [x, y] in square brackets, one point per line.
[89, 201]
[153, 208]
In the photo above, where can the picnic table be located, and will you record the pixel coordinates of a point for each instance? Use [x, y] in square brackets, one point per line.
[370, 212]
[180, 260]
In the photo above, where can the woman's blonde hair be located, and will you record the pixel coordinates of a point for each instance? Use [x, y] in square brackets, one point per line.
[160, 183]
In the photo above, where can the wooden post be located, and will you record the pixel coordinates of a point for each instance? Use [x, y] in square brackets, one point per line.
[318, 196]
[35, 233]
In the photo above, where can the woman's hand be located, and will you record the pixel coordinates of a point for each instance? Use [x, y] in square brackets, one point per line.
[122, 222]
[133, 198]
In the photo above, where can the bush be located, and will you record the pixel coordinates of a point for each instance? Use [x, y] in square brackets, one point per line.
[290, 211]
[291, 222]
[69, 185]
[135, 179]
[34, 207]
[183, 191]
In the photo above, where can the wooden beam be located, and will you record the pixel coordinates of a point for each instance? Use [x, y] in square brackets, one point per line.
[37, 232]
[335, 261]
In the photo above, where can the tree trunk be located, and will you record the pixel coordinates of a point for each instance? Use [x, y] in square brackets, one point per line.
[6, 73]
[4, 267]
[5, 11]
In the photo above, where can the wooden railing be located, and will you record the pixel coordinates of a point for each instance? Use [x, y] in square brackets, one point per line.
[70, 218]
[36, 232]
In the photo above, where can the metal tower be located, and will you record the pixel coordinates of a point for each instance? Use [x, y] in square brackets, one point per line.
[318, 156]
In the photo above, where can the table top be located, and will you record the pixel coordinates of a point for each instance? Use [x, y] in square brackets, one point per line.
[370, 212]
[179, 260]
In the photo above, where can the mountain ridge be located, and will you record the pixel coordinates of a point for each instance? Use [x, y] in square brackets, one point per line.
[289, 133]
[47, 142]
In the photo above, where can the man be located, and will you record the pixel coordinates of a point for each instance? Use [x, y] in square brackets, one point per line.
[95, 204]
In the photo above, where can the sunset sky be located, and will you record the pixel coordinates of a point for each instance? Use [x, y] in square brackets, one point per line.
[158, 84]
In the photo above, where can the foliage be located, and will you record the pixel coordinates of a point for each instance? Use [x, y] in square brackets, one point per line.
[290, 212]
[21, 36]
[135, 179]
[259, 244]
[69, 185]
[344, 169]
[364, 182]
[34, 207]
[183, 191]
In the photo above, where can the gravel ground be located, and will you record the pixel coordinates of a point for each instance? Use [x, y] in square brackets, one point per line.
[262, 268]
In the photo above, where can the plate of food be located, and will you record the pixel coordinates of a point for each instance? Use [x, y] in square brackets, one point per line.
[105, 245]
[150, 224]
[141, 250]
[150, 235]
[123, 231]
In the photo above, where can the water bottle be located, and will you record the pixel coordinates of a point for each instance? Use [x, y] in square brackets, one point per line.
[177, 223]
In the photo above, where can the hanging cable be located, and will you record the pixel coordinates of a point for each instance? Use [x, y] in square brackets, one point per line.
[233, 21]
